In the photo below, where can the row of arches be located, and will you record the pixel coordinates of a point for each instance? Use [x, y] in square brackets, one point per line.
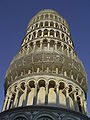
[45, 24]
[48, 33]
[51, 93]
[49, 16]
[39, 67]
[47, 44]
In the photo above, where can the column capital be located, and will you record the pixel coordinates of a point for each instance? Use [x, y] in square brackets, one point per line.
[7, 93]
[35, 84]
[66, 87]
[41, 41]
[57, 84]
[18, 88]
[48, 41]
[47, 83]
[26, 84]
[56, 42]
[34, 42]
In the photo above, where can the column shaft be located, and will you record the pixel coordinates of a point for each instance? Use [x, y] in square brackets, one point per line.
[55, 45]
[57, 95]
[25, 95]
[48, 45]
[35, 95]
[5, 103]
[75, 100]
[34, 46]
[46, 95]
[9, 100]
[40, 44]
[16, 98]
[67, 98]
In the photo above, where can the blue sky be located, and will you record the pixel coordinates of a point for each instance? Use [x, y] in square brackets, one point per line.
[15, 15]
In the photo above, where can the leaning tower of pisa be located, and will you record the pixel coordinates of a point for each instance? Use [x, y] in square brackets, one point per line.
[46, 80]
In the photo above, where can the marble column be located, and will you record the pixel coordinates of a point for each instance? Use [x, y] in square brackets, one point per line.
[75, 102]
[62, 47]
[46, 94]
[48, 44]
[85, 104]
[55, 45]
[34, 45]
[9, 100]
[68, 51]
[56, 70]
[38, 70]
[41, 44]
[16, 97]
[57, 90]
[5, 103]
[67, 98]
[25, 95]
[47, 69]
[35, 95]
[82, 107]
[28, 48]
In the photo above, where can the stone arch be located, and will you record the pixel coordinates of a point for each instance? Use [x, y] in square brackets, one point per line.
[62, 94]
[31, 92]
[22, 85]
[41, 24]
[46, 16]
[14, 90]
[41, 78]
[37, 44]
[14, 87]
[52, 79]
[21, 93]
[71, 96]
[45, 43]
[51, 16]
[46, 23]
[36, 26]
[33, 35]
[65, 48]
[56, 18]
[58, 45]
[52, 44]
[42, 16]
[21, 100]
[45, 32]
[79, 103]
[20, 116]
[45, 116]
[39, 34]
[38, 18]
[56, 25]
[77, 91]
[57, 34]
[64, 28]
[51, 24]
[62, 35]
[41, 92]
[52, 33]
[31, 45]
[67, 117]
[52, 92]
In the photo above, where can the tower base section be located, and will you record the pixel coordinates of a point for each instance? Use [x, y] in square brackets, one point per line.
[41, 113]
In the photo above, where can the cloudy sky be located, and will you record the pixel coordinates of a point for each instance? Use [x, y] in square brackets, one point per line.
[15, 15]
